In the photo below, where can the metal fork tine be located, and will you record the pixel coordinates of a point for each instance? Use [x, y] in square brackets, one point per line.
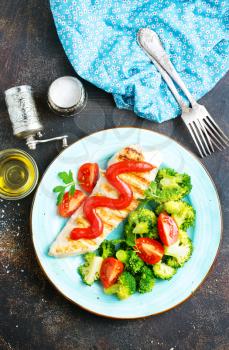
[218, 136]
[217, 146]
[217, 130]
[209, 141]
[203, 134]
[194, 139]
[196, 132]
[213, 137]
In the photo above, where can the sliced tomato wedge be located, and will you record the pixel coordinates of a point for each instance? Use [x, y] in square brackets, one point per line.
[88, 176]
[167, 229]
[111, 269]
[70, 203]
[149, 250]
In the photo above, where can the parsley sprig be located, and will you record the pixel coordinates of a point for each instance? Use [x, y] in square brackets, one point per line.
[68, 181]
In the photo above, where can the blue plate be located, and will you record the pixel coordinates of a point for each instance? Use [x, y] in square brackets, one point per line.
[206, 234]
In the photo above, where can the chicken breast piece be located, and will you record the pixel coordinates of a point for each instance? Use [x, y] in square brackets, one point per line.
[64, 246]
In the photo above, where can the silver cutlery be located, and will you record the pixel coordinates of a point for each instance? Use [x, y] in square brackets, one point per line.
[206, 134]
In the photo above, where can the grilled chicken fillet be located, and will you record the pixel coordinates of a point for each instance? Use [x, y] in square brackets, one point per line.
[64, 246]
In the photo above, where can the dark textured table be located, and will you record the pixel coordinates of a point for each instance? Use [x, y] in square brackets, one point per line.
[33, 314]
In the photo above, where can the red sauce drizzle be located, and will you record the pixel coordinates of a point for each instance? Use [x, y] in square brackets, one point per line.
[125, 197]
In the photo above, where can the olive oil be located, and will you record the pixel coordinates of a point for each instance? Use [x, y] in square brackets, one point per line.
[18, 174]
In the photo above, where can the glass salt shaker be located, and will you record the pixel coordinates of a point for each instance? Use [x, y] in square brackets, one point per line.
[67, 96]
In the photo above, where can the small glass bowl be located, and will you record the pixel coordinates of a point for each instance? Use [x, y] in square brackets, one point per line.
[18, 174]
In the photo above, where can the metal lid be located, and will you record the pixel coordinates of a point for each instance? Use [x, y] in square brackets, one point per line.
[16, 89]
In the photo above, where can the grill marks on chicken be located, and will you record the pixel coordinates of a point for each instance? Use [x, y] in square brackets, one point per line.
[111, 218]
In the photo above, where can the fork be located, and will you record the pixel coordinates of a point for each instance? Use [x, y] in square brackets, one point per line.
[205, 132]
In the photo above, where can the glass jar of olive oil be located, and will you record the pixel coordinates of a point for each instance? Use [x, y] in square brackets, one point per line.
[18, 174]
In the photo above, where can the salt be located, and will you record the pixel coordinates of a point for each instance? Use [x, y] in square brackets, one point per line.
[66, 96]
[65, 92]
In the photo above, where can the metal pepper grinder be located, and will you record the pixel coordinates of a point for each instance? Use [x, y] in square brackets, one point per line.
[24, 116]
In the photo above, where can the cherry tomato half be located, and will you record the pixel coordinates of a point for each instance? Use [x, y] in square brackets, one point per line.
[88, 175]
[167, 229]
[70, 203]
[149, 250]
[111, 269]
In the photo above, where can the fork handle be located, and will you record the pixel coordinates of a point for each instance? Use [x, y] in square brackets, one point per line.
[171, 86]
[151, 43]
[169, 82]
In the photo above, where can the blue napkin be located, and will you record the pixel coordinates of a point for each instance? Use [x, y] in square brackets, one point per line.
[99, 38]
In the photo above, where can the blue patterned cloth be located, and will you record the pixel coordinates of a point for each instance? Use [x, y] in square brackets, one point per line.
[99, 38]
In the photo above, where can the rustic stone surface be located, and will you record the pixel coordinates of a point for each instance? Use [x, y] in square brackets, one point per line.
[33, 315]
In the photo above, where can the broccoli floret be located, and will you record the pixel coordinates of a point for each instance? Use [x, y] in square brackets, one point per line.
[143, 215]
[168, 185]
[117, 241]
[146, 280]
[122, 255]
[106, 249]
[171, 261]
[163, 271]
[129, 235]
[141, 228]
[134, 264]
[119, 244]
[124, 288]
[89, 271]
[182, 212]
[179, 252]
[183, 236]
[142, 222]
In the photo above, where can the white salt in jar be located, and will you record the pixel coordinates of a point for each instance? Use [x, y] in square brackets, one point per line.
[67, 96]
